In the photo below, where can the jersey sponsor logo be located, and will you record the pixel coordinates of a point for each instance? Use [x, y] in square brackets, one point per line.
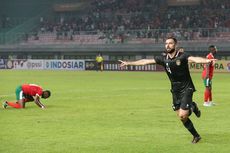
[178, 62]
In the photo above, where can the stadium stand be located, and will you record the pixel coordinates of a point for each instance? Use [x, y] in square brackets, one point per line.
[134, 21]
[86, 25]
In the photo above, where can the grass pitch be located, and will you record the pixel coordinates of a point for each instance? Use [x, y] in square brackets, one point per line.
[110, 112]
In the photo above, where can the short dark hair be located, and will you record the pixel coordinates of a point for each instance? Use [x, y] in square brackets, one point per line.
[212, 46]
[48, 93]
[174, 39]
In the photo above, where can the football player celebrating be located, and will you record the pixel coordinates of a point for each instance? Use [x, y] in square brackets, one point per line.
[175, 64]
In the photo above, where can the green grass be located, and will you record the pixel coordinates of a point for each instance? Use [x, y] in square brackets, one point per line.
[110, 112]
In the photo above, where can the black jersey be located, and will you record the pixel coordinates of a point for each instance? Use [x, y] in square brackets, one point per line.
[177, 70]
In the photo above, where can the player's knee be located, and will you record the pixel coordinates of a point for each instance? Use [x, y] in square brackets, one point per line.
[183, 117]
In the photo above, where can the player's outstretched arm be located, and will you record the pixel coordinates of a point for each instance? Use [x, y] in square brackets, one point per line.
[201, 60]
[37, 101]
[139, 62]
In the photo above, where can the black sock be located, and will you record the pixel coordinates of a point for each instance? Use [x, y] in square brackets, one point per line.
[189, 125]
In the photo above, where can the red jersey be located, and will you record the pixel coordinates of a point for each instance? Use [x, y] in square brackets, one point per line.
[31, 89]
[208, 70]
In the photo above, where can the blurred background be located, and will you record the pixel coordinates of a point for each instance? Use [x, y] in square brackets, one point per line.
[118, 29]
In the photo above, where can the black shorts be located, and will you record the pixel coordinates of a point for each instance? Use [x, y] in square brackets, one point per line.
[182, 100]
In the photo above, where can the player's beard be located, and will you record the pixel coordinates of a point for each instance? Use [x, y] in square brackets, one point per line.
[170, 51]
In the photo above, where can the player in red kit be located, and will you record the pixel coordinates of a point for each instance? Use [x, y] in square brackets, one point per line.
[28, 93]
[207, 75]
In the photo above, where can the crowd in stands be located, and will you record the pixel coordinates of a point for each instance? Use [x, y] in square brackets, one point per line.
[142, 19]
[7, 22]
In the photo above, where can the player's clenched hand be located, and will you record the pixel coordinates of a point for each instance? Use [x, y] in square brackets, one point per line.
[123, 63]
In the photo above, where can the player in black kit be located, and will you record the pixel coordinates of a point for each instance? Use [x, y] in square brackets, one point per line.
[175, 64]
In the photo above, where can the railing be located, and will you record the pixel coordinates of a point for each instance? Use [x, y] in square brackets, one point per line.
[143, 36]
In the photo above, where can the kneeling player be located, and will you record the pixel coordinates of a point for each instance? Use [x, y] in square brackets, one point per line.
[28, 93]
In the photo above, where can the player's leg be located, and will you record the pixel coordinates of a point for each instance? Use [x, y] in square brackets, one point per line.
[98, 66]
[184, 117]
[207, 92]
[210, 93]
[195, 109]
[15, 104]
[20, 99]
[187, 103]
[101, 66]
[184, 112]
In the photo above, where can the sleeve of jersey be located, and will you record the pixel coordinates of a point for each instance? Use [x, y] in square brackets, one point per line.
[159, 60]
[185, 57]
